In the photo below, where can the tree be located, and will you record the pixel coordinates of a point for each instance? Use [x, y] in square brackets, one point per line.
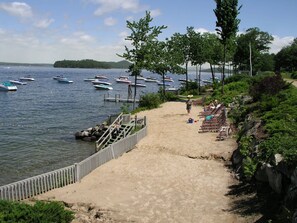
[254, 42]
[142, 37]
[197, 51]
[227, 25]
[181, 44]
[165, 58]
[213, 51]
[287, 58]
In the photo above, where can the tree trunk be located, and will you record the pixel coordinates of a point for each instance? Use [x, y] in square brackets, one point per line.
[223, 73]
[187, 85]
[212, 73]
[134, 99]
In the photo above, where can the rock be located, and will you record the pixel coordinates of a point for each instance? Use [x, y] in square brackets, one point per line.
[274, 179]
[261, 174]
[236, 157]
[78, 135]
[294, 178]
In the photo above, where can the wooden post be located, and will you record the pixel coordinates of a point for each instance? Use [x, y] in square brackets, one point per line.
[135, 121]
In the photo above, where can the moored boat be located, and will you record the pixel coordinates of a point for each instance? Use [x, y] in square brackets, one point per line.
[27, 78]
[102, 87]
[64, 80]
[123, 79]
[57, 77]
[7, 86]
[101, 77]
[151, 79]
[161, 83]
[96, 82]
[138, 85]
[18, 82]
[90, 79]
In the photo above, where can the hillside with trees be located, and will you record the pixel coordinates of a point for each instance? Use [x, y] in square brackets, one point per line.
[91, 64]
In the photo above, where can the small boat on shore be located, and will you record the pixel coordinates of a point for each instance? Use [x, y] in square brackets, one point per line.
[96, 82]
[18, 82]
[102, 87]
[7, 86]
[64, 80]
[27, 78]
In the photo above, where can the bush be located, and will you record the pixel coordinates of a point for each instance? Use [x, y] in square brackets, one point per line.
[45, 212]
[150, 101]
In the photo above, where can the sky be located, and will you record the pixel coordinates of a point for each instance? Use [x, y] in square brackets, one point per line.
[45, 31]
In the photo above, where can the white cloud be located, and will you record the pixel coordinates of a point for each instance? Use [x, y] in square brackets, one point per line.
[78, 39]
[155, 12]
[110, 21]
[202, 30]
[107, 6]
[44, 23]
[18, 9]
[278, 43]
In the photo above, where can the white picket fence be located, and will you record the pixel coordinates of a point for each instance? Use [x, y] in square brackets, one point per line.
[33, 186]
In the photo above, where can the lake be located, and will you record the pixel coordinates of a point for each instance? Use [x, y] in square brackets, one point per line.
[39, 120]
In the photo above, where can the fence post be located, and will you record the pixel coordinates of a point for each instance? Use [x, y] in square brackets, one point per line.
[112, 151]
[77, 170]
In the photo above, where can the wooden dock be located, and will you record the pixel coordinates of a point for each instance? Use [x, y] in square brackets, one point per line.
[118, 98]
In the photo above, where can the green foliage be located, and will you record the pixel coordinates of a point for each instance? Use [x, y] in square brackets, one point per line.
[286, 58]
[91, 64]
[279, 143]
[294, 75]
[46, 212]
[125, 108]
[249, 167]
[150, 101]
[231, 91]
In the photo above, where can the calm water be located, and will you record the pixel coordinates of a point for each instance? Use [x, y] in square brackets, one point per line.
[38, 121]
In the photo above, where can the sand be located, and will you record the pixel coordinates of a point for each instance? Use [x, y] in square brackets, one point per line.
[174, 174]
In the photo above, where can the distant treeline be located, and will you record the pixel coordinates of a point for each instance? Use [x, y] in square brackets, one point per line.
[91, 64]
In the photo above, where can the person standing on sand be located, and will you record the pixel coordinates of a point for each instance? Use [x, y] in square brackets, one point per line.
[189, 104]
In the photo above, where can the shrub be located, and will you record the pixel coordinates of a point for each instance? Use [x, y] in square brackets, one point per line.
[269, 85]
[150, 101]
[46, 212]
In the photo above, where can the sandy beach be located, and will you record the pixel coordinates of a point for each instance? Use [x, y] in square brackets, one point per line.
[174, 174]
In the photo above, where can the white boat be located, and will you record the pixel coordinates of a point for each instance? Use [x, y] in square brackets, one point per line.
[168, 79]
[138, 85]
[64, 80]
[123, 79]
[102, 87]
[7, 86]
[171, 89]
[18, 82]
[161, 83]
[27, 78]
[151, 79]
[96, 82]
[101, 77]
[90, 79]
[57, 77]
[141, 78]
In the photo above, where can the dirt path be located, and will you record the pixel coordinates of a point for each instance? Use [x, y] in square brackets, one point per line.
[175, 174]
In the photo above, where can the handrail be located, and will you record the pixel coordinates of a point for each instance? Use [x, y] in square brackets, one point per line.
[107, 134]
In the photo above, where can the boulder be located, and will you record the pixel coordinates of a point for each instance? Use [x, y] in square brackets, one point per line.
[274, 178]
[261, 174]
